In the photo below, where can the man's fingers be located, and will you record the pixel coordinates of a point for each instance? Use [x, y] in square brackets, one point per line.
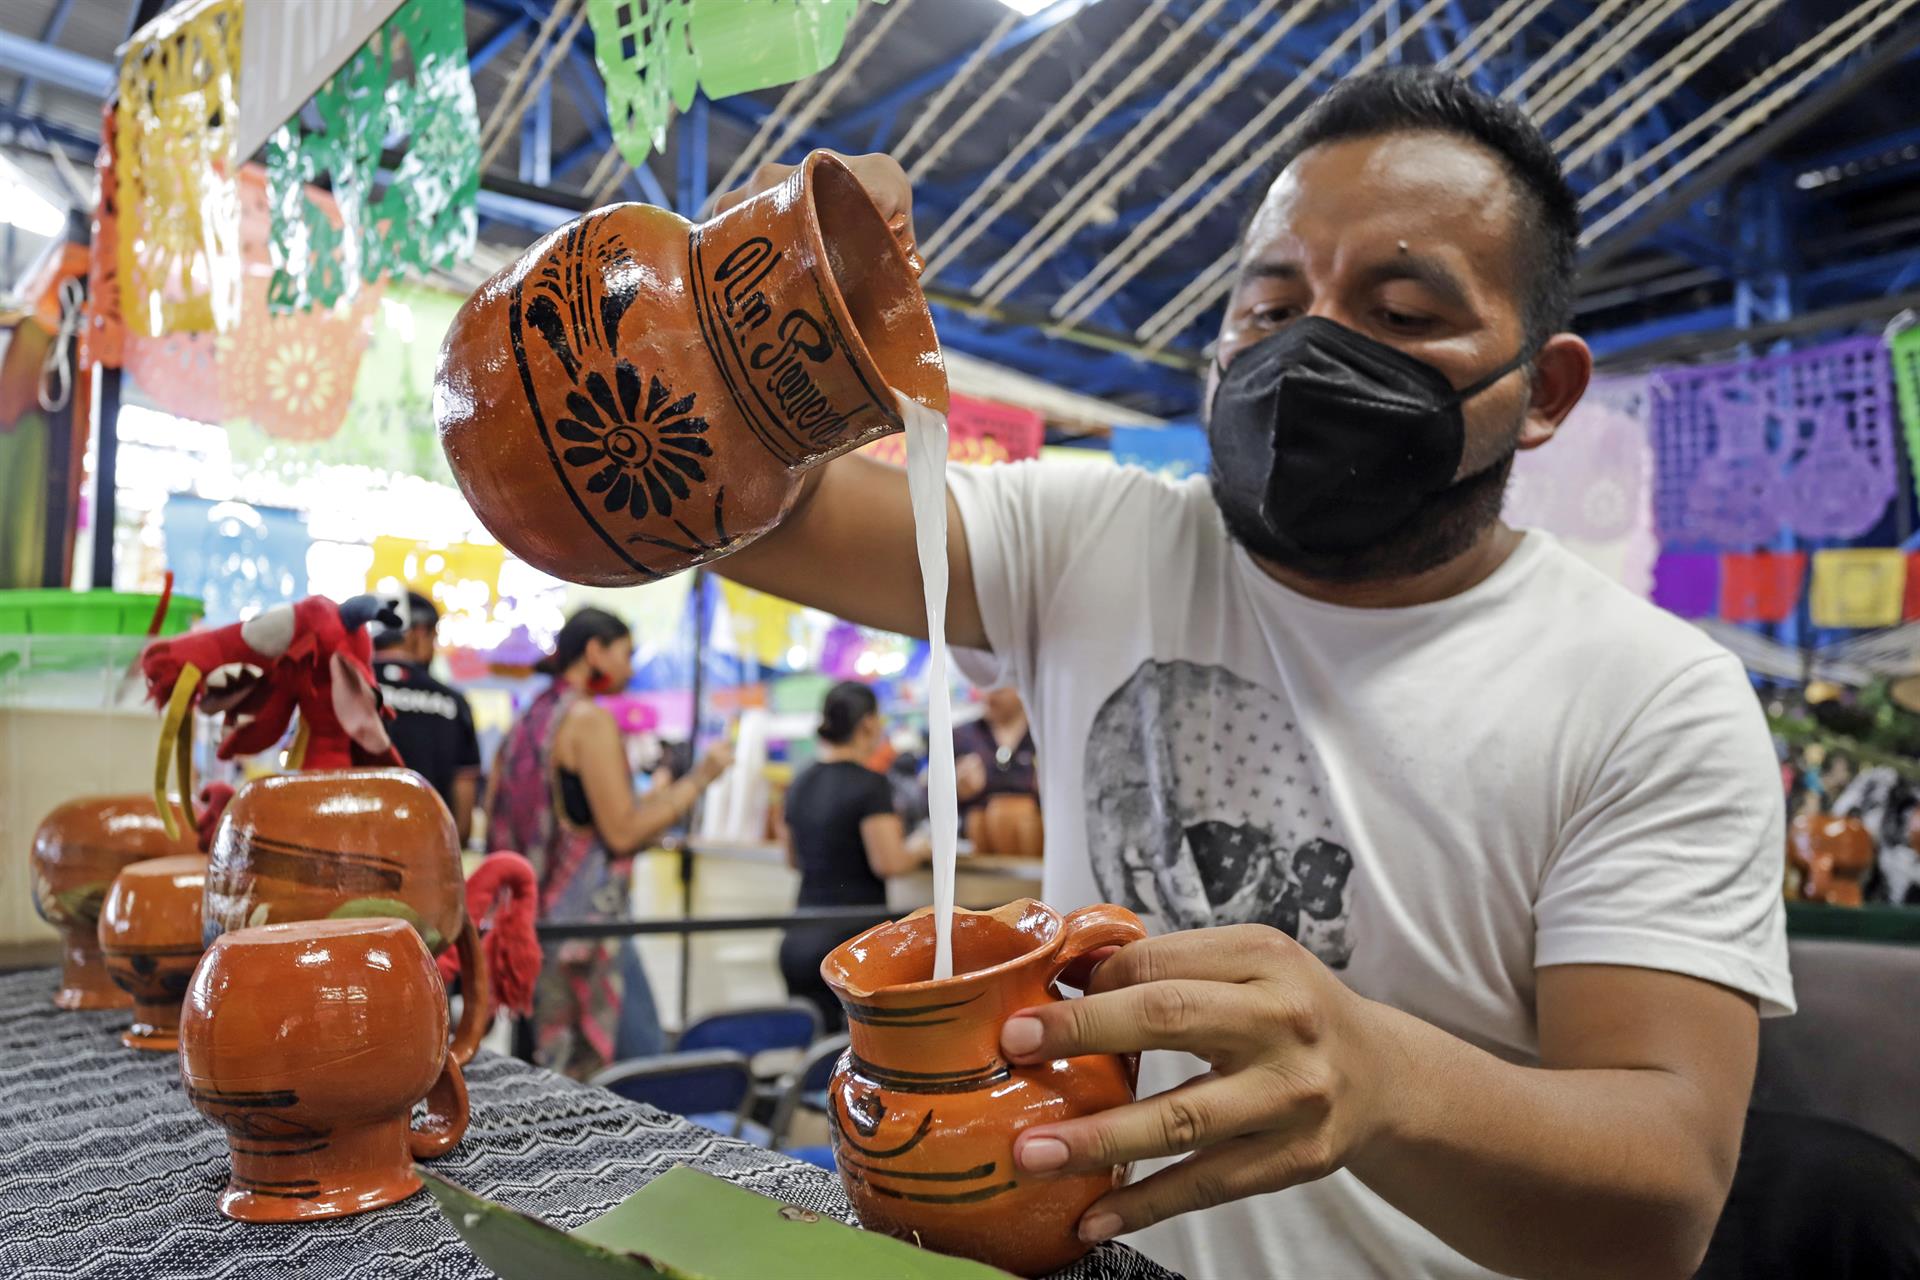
[1234, 953]
[1230, 1170]
[1190, 1117]
[1198, 1017]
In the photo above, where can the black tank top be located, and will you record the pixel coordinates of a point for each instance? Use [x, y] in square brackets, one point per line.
[573, 798]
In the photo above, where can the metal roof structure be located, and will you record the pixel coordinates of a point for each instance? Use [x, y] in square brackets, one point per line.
[1750, 168]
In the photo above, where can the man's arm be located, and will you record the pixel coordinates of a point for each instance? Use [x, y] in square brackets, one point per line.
[1613, 1158]
[847, 546]
[466, 785]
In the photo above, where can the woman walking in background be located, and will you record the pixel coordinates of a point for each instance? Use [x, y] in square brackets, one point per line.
[562, 795]
[843, 837]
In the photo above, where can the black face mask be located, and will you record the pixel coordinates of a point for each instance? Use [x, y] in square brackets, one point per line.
[1329, 441]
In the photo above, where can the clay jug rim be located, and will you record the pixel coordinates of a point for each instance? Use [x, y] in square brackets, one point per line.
[293, 933]
[170, 866]
[838, 959]
[857, 350]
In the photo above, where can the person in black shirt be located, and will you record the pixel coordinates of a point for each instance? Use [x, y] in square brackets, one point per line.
[843, 836]
[432, 725]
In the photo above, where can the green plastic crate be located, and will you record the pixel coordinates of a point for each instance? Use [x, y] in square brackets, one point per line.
[92, 613]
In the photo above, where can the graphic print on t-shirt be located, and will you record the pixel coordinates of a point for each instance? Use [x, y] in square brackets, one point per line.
[1206, 806]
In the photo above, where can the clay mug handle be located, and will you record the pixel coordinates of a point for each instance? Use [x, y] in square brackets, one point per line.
[446, 1120]
[903, 232]
[1086, 931]
[474, 1003]
[1091, 928]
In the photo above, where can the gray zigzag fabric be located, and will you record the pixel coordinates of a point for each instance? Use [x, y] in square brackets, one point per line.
[107, 1172]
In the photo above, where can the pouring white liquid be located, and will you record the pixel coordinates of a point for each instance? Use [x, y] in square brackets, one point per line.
[927, 487]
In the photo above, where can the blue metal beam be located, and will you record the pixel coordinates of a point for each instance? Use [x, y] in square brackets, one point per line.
[694, 173]
[536, 139]
[49, 35]
[890, 102]
[490, 48]
[55, 66]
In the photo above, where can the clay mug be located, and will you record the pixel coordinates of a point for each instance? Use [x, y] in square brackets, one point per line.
[77, 851]
[347, 844]
[1007, 824]
[923, 1109]
[309, 1044]
[636, 394]
[150, 935]
[1835, 854]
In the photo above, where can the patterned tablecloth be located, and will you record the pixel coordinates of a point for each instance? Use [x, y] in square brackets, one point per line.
[107, 1171]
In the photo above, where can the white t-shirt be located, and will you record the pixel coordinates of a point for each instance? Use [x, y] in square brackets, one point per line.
[1436, 800]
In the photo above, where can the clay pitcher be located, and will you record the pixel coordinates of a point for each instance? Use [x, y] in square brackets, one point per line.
[310, 1043]
[150, 935]
[923, 1109]
[77, 851]
[347, 844]
[637, 394]
[1835, 854]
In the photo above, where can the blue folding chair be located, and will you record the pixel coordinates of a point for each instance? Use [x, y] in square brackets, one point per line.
[806, 1090]
[711, 1087]
[754, 1030]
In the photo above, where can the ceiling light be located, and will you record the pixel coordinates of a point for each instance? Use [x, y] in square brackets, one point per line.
[1028, 7]
[22, 204]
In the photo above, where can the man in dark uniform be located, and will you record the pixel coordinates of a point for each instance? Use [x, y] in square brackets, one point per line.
[433, 725]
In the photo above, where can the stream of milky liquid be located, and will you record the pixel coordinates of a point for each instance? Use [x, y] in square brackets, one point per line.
[927, 487]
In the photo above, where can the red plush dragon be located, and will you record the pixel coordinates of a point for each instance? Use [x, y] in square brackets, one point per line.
[314, 657]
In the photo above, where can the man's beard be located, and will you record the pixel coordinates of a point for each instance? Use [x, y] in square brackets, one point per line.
[1446, 526]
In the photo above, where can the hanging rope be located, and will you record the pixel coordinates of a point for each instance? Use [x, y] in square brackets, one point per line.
[554, 57]
[1494, 24]
[1146, 140]
[1149, 241]
[1015, 73]
[952, 87]
[1641, 24]
[1492, 44]
[1218, 278]
[1561, 48]
[1634, 99]
[497, 118]
[968, 227]
[1750, 119]
[608, 173]
[798, 124]
[1169, 320]
[1721, 109]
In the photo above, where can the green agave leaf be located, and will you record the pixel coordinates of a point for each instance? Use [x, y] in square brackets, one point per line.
[518, 1247]
[689, 1225]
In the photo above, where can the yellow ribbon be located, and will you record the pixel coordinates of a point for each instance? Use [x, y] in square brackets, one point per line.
[176, 730]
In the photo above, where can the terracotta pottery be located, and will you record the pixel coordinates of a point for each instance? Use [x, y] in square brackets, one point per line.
[310, 1043]
[77, 851]
[922, 1107]
[636, 394]
[150, 934]
[1008, 825]
[1834, 853]
[351, 843]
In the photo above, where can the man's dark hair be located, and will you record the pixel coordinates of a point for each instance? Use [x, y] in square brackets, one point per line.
[1402, 99]
[420, 613]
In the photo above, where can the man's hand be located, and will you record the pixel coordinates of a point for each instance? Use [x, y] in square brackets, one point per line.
[885, 181]
[718, 760]
[969, 776]
[1295, 1089]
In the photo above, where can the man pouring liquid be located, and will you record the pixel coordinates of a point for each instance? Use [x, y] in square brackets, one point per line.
[1463, 862]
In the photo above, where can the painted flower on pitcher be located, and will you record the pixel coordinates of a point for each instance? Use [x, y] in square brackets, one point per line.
[641, 455]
